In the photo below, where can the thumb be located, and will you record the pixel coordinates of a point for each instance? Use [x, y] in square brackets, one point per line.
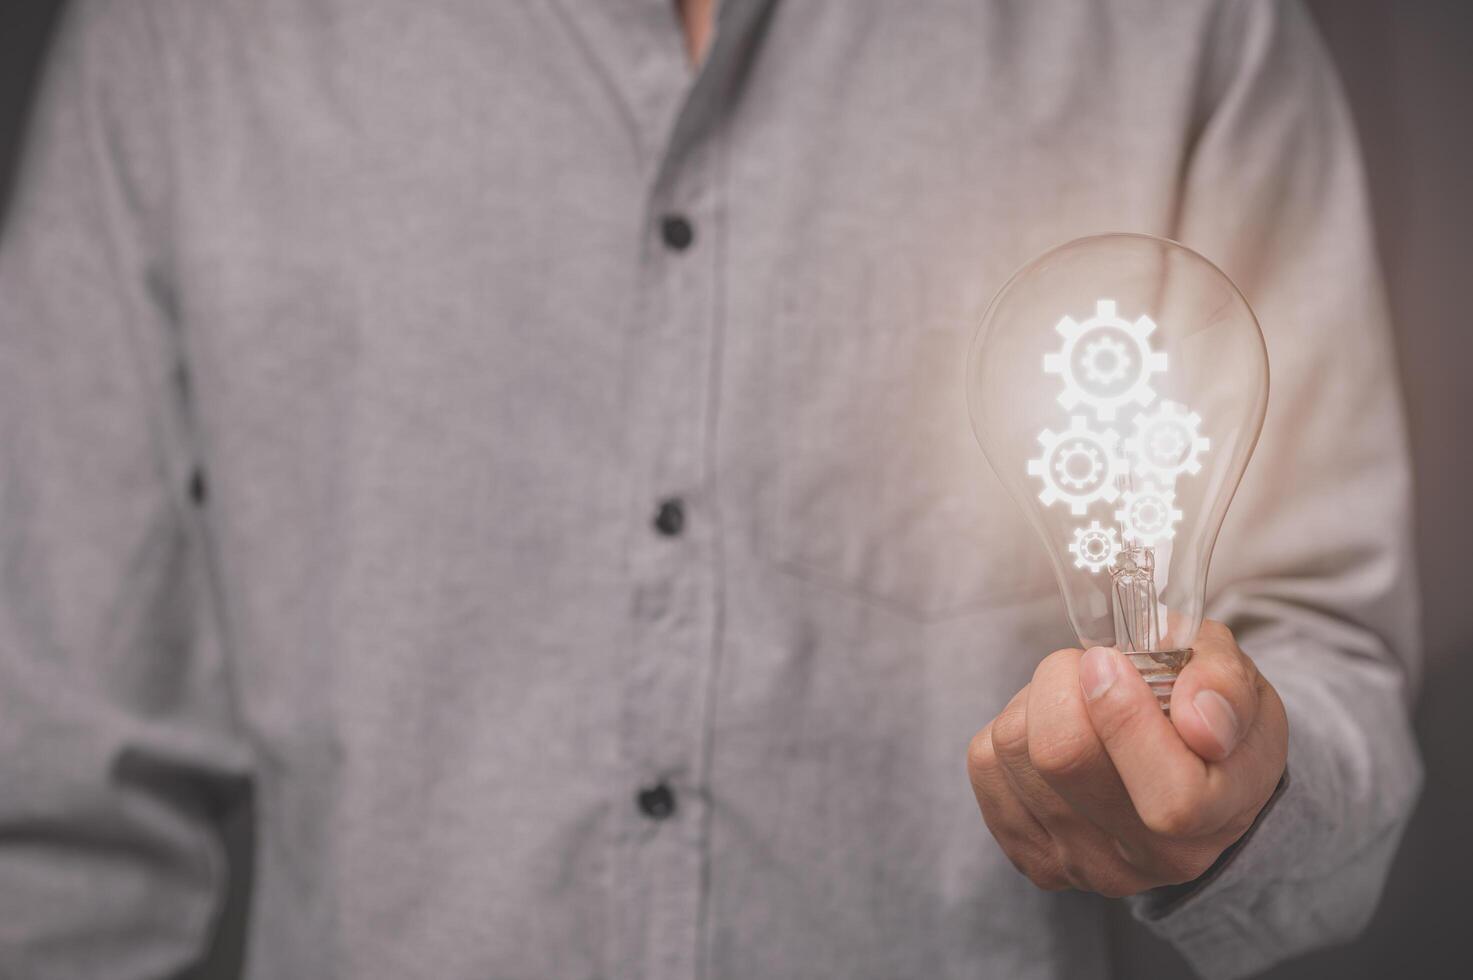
[1215, 700]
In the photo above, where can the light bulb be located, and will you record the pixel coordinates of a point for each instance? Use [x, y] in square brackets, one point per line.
[1117, 386]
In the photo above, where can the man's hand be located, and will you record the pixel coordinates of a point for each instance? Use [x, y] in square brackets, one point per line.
[1087, 784]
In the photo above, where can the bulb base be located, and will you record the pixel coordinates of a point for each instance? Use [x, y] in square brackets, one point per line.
[1160, 669]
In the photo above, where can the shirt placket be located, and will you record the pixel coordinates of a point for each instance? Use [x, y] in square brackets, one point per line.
[674, 576]
[658, 858]
[658, 861]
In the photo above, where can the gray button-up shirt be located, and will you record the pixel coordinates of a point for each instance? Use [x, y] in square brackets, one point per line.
[345, 365]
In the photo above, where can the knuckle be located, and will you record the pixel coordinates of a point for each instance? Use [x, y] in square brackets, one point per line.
[1227, 660]
[1091, 871]
[1076, 873]
[1242, 674]
[1172, 816]
[1046, 877]
[981, 759]
[1116, 885]
[1063, 755]
[1010, 734]
[1048, 664]
[1216, 628]
[1216, 635]
[1035, 862]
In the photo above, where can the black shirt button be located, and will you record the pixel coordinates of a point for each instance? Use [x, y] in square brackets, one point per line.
[677, 232]
[197, 489]
[670, 520]
[657, 802]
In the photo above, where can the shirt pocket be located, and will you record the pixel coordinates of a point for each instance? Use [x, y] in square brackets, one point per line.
[877, 486]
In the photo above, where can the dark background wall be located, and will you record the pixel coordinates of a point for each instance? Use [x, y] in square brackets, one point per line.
[1408, 68]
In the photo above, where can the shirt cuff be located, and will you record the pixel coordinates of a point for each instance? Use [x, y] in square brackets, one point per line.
[1158, 903]
[1205, 928]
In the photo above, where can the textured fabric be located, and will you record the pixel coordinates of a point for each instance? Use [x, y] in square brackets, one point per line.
[343, 370]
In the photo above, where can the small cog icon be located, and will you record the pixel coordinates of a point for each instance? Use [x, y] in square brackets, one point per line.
[1106, 361]
[1094, 547]
[1167, 442]
[1149, 515]
[1078, 465]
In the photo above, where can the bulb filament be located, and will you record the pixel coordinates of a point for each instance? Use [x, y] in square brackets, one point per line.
[1137, 627]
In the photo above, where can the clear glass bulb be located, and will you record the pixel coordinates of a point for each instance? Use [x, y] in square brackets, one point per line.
[1117, 386]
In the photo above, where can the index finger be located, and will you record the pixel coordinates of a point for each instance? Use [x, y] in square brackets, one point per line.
[1068, 753]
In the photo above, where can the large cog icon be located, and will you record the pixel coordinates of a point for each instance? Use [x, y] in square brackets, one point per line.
[1167, 442]
[1094, 547]
[1149, 515]
[1078, 466]
[1106, 361]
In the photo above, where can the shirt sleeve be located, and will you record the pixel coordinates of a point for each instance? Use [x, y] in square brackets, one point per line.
[1314, 569]
[115, 749]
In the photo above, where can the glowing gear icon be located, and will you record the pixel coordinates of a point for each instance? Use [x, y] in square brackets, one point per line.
[1078, 465]
[1094, 547]
[1167, 442]
[1148, 515]
[1106, 361]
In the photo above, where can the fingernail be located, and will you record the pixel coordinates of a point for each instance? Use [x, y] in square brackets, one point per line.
[1096, 671]
[1219, 716]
